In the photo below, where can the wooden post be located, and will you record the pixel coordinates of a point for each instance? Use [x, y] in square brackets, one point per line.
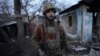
[20, 24]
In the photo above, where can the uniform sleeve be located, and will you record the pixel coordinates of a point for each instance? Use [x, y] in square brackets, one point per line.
[62, 32]
[37, 35]
[35, 43]
[63, 37]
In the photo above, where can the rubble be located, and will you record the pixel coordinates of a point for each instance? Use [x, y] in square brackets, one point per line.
[94, 53]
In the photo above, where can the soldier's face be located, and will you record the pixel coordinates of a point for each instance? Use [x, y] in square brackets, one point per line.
[50, 15]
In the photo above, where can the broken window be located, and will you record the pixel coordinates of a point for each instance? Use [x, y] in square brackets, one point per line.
[70, 20]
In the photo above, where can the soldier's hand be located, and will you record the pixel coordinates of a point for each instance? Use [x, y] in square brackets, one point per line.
[41, 53]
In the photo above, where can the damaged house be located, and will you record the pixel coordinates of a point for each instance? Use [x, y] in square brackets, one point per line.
[77, 22]
[81, 23]
[8, 31]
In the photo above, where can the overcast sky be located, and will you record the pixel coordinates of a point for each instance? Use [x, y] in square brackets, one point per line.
[66, 3]
[61, 4]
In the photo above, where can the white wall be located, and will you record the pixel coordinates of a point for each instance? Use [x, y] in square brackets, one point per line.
[83, 24]
[87, 25]
[71, 31]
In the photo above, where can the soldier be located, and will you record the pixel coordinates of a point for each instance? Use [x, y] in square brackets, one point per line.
[49, 35]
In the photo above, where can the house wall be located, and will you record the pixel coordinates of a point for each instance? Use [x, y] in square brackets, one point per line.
[82, 24]
[71, 31]
[79, 16]
[87, 24]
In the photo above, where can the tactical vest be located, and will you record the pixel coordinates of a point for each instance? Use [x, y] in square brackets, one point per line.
[51, 35]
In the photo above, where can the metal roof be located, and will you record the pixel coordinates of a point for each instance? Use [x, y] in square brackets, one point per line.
[8, 23]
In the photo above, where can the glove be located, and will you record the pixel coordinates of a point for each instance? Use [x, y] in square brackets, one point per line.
[41, 53]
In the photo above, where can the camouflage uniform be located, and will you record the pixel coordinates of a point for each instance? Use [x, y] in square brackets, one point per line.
[49, 36]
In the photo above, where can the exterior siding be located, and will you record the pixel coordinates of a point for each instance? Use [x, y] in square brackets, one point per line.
[87, 25]
[71, 31]
[82, 24]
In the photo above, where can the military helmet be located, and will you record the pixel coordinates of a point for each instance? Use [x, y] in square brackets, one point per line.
[47, 7]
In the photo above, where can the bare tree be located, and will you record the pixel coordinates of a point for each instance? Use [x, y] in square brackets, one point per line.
[26, 6]
[5, 8]
[4, 13]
